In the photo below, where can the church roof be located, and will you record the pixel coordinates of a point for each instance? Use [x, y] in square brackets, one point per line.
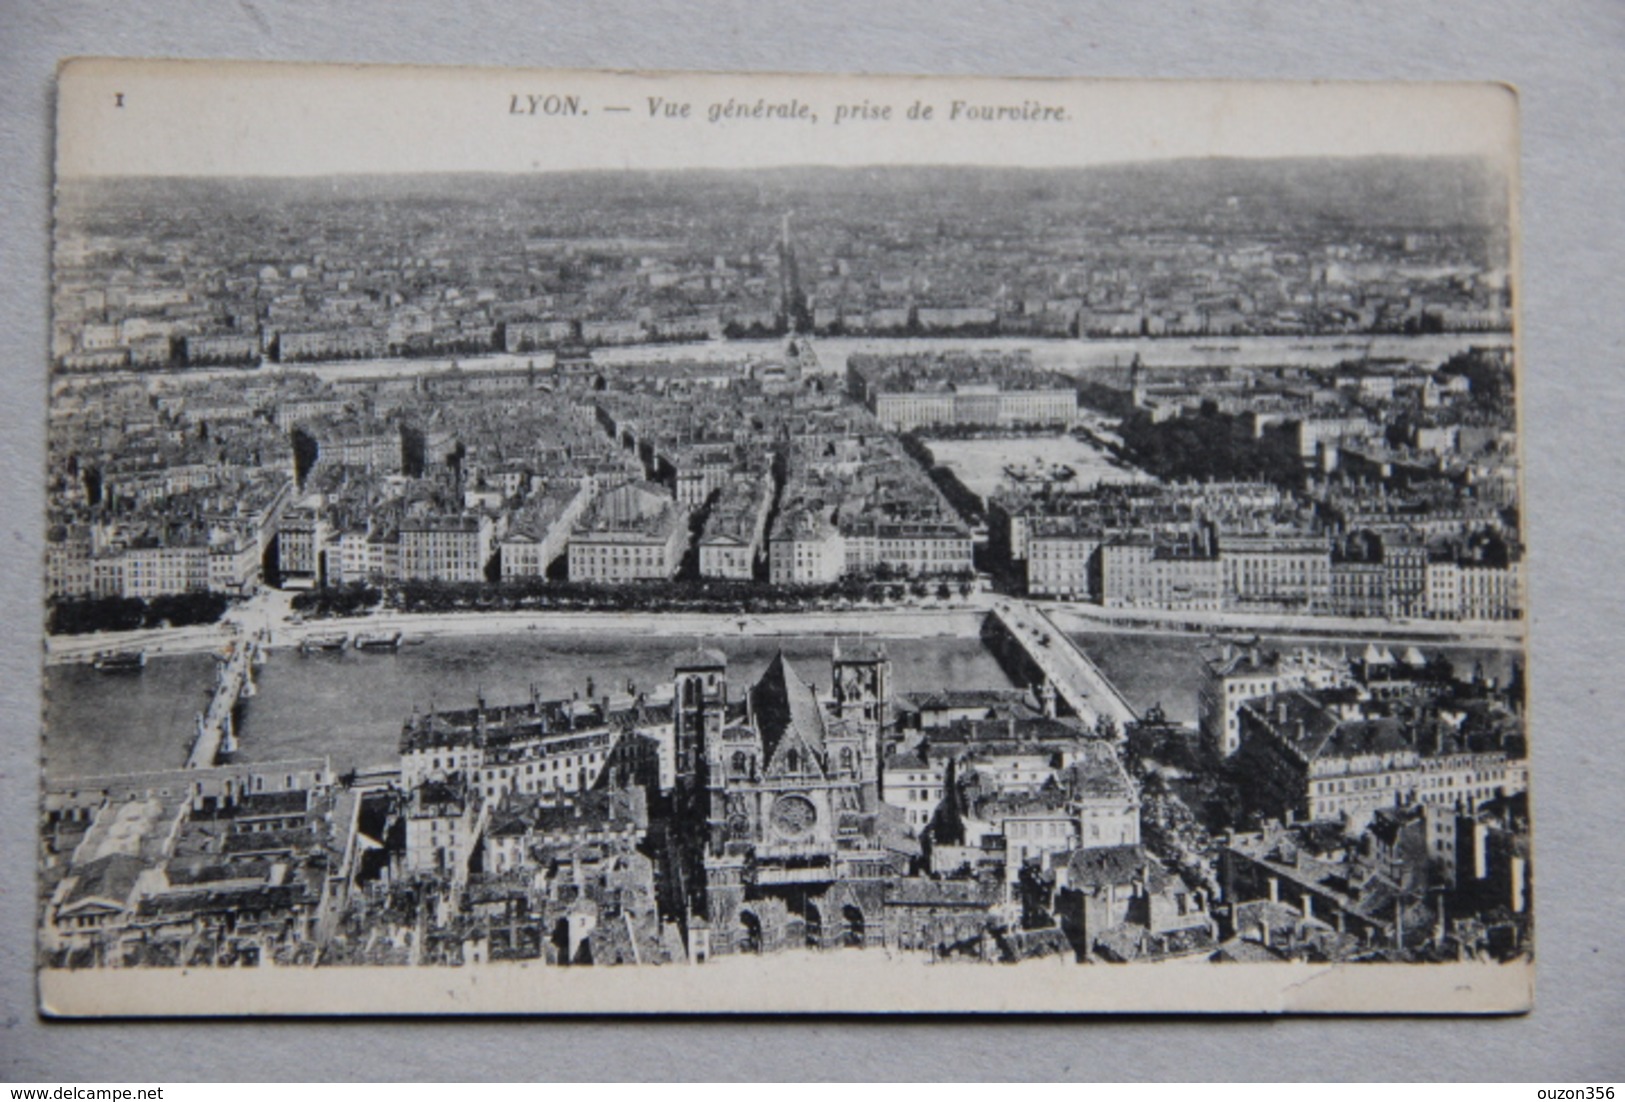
[786, 709]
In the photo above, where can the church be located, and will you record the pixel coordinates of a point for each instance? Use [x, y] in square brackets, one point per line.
[784, 841]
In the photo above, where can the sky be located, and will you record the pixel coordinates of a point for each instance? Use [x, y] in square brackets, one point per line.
[150, 118]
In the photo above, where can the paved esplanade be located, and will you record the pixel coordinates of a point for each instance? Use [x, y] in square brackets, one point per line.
[1077, 680]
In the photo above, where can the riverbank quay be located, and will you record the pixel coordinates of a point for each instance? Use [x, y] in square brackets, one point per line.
[1084, 618]
[904, 623]
[957, 619]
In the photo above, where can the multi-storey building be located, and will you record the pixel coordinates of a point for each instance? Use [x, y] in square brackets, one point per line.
[1236, 674]
[301, 540]
[913, 782]
[635, 532]
[1287, 570]
[612, 331]
[384, 556]
[1474, 591]
[374, 446]
[1062, 555]
[1404, 567]
[920, 548]
[445, 548]
[1043, 788]
[542, 747]
[235, 855]
[155, 571]
[1143, 571]
[107, 574]
[441, 829]
[700, 471]
[612, 820]
[295, 411]
[736, 528]
[1314, 432]
[67, 564]
[1309, 756]
[329, 344]
[907, 393]
[539, 532]
[805, 548]
[347, 558]
[1358, 588]
[235, 559]
[221, 348]
[530, 336]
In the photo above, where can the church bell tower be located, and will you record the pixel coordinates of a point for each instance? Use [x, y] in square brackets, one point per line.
[861, 677]
[699, 708]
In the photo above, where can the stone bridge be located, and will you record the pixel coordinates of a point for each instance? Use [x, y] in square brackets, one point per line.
[1053, 656]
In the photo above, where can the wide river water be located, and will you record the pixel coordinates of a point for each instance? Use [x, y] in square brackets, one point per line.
[1069, 356]
[351, 705]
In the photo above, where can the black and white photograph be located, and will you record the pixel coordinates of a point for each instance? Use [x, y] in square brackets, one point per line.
[579, 542]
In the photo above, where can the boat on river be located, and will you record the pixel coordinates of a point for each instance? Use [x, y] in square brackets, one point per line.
[378, 640]
[335, 641]
[120, 661]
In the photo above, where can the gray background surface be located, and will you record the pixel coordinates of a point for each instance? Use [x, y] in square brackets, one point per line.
[1567, 59]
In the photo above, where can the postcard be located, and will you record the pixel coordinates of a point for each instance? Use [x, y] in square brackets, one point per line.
[565, 542]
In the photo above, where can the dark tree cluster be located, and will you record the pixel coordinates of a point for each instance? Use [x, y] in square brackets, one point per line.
[82, 615]
[1489, 374]
[1211, 446]
[338, 600]
[700, 595]
[1113, 401]
[965, 502]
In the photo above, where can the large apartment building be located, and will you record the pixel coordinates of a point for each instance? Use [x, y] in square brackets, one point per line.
[635, 532]
[920, 395]
[445, 548]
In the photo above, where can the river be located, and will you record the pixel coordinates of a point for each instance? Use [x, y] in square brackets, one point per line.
[1068, 355]
[350, 705]
[1072, 356]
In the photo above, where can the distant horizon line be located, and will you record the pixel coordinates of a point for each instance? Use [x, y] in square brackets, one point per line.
[1232, 158]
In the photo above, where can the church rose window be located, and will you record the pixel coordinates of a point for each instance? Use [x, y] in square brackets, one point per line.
[794, 816]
